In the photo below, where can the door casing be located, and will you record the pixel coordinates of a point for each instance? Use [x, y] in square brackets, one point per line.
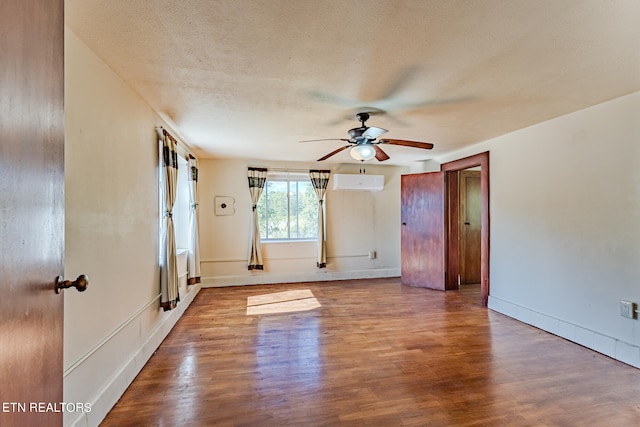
[453, 224]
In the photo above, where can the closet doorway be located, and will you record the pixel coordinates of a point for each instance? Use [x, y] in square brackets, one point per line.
[467, 234]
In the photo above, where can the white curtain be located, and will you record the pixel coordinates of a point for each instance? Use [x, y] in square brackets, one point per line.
[320, 180]
[168, 269]
[194, 244]
[257, 179]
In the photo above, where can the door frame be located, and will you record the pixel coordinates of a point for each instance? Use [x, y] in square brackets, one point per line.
[453, 227]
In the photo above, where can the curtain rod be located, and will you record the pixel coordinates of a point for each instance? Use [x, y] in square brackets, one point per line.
[292, 170]
[287, 170]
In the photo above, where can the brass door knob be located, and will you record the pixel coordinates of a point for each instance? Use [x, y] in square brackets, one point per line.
[80, 283]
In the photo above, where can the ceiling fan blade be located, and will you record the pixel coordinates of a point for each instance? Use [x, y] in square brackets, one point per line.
[415, 144]
[327, 139]
[373, 132]
[380, 155]
[333, 152]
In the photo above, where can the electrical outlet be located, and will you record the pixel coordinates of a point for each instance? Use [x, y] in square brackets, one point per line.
[628, 309]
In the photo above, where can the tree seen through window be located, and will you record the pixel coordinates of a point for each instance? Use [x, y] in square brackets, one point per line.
[288, 210]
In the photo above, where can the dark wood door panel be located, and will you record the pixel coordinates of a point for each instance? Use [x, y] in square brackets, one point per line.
[31, 208]
[470, 225]
[423, 230]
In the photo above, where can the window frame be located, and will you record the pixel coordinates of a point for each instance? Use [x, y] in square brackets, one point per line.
[287, 178]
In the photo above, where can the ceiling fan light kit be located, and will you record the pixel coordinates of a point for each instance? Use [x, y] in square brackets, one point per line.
[363, 152]
[365, 147]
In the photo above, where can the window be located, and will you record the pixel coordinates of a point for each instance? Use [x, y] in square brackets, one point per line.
[288, 209]
[182, 206]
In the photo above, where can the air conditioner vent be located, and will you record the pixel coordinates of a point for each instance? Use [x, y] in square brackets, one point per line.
[358, 182]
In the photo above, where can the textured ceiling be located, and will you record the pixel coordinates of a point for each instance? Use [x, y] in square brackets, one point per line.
[250, 78]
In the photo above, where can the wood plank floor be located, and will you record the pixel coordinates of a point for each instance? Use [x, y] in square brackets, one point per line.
[376, 353]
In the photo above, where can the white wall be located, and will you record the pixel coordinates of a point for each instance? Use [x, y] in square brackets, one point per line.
[565, 225]
[357, 223]
[111, 201]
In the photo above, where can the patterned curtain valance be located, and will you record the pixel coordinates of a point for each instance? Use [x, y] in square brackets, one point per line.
[319, 178]
[170, 151]
[257, 177]
[193, 176]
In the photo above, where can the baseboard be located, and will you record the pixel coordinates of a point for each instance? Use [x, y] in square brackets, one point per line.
[321, 275]
[609, 346]
[109, 395]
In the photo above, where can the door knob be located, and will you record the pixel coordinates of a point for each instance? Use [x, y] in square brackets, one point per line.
[80, 283]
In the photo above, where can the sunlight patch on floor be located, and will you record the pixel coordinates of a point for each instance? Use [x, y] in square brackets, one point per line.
[282, 302]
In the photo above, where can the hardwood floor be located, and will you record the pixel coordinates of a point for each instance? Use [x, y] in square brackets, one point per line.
[376, 353]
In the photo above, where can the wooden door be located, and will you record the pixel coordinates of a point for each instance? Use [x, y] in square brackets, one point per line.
[469, 227]
[423, 230]
[31, 210]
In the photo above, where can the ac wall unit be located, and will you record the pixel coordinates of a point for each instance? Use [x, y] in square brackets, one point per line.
[358, 182]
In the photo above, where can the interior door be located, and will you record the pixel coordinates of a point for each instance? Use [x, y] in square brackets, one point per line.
[469, 227]
[31, 210]
[423, 230]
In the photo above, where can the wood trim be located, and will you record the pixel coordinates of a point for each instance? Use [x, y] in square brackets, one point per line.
[481, 160]
[452, 211]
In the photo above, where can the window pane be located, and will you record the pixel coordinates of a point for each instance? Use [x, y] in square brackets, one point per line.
[182, 206]
[262, 214]
[293, 210]
[291, 214]
[277, 210]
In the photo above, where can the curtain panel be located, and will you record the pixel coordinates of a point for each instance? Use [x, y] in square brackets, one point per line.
[257, 180]
[320, 181]
[194, 244]
[168, 270]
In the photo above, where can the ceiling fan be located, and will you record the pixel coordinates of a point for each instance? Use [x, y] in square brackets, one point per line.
[363, 144]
